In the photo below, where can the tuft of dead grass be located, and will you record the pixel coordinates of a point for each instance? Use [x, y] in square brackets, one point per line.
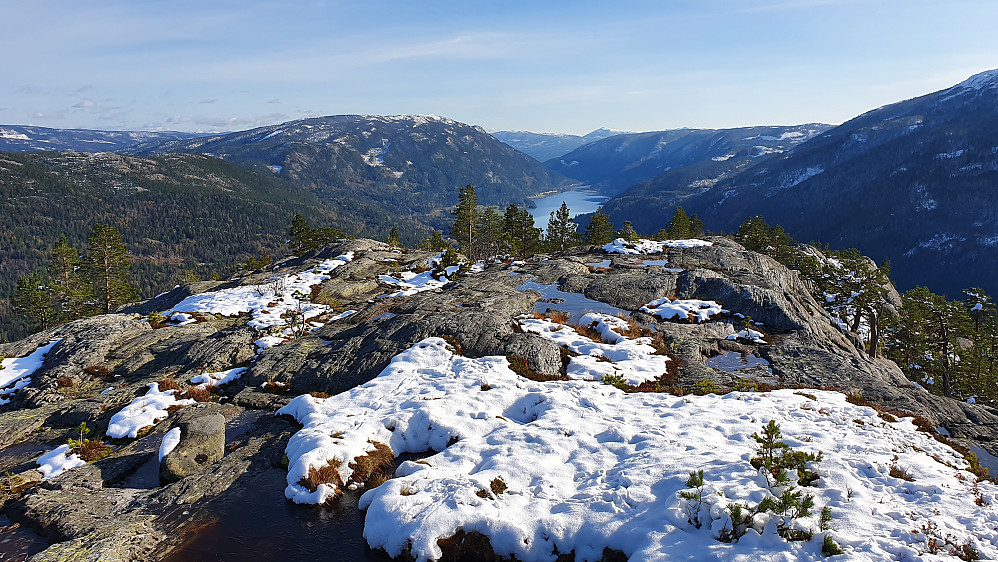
[198, 394]
[374, 468]
[327, 474]
[168, 384]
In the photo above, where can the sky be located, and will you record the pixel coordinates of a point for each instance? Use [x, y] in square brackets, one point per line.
[543, 66]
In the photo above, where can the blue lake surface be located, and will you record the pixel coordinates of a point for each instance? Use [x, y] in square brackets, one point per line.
[579, 202]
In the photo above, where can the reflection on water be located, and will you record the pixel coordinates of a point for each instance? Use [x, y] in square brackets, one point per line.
[579, 202]
[259, 523]
[732, 361]
[575, 304]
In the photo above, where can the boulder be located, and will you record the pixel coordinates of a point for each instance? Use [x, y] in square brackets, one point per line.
[202, 442]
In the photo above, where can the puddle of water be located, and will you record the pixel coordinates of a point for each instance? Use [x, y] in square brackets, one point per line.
[732, 361]
[604, 263]
[259, 523]
[20, 542]
[575, 304]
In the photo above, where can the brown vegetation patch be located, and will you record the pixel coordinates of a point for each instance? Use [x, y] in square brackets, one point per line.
[168, 384]
[65, 382]
[328, 474]
[198, 394]
[454, 343]
[92, 450]
[375, 467]
[319, 394]
[102, 371]
[589, 332]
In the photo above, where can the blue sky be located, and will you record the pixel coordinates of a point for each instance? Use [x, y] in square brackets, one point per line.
[553, 66]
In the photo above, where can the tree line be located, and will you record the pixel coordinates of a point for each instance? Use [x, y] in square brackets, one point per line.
[484, 232]
[77, 284]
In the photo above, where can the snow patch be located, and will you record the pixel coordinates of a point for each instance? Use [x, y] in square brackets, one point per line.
[587, 466]
[645, 246]
[55, 462]
[15, 372]
[170, 441]
[667, 308]
[144, 411]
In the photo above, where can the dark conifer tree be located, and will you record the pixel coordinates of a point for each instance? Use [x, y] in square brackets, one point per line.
[562, 230]
[600, 229]
[106, 266]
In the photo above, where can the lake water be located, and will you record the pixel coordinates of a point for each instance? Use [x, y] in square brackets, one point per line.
[579, 202]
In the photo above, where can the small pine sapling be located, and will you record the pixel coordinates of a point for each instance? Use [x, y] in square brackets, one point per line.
[741, 520]
[693, 498]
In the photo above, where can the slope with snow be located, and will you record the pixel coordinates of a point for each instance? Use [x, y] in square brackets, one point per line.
[584, 466]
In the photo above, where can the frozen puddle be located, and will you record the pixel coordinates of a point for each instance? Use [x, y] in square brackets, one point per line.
[583, 466]
[575, 304]
[732, 361]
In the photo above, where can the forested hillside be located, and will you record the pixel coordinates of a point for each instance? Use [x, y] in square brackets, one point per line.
[179, 215]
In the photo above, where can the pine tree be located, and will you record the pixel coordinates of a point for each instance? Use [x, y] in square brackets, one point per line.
[68, 290]
[679, 226]
[434, 243]
[696, 226]
[521, 237]
[562, 230]
[465, 219]
[106, 266]
[489, 242]
[627, 232]
[600, 229]
[302, 238]
[32, 300]
[393, 238]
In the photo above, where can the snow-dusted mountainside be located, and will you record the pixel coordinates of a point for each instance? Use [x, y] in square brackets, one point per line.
[21, 138]
[545, 146]
[413, 163]
[485, 413]
[700, 156]
[915, 181]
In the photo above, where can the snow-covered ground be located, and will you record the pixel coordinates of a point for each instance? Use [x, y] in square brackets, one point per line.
[269, 301]
[144, 411]
[410, 283]
[587, 466]
[634, 360]
[16, 372]
[667, 308]
[645, 246]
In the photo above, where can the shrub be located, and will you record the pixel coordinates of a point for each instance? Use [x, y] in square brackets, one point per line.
[741, 520]
[776, 457]
[454, 343]
[615, 380]
[898, 472]
[694, 498]
[829, 547]
[319, 394]
[156, 319]
[705, 386]
[65, 382]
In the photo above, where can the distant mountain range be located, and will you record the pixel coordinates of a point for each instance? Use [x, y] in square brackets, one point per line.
[21, 138]
[410, 165]
[545, 146]
[616, 163]
[915, 181]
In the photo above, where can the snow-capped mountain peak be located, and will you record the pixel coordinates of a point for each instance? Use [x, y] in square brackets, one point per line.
[980, 81]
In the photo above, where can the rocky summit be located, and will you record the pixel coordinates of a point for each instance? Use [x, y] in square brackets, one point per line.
[216, 393]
